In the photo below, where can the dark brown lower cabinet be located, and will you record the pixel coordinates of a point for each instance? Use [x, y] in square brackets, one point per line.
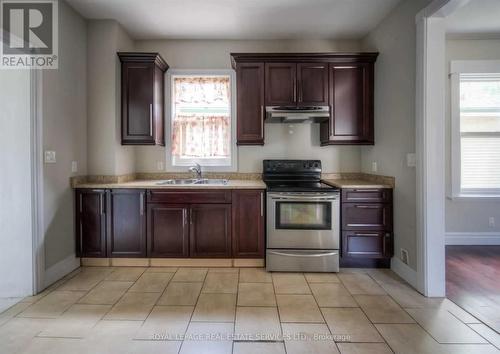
[127, 223]
[168, 234]
[91, 223]
[367, 237]
[210, 230]
[248, 223]
[170, 224]
[366, 244]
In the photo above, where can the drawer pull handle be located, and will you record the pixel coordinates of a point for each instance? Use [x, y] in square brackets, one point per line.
[365, 234]
[304, 255]
[367, 206]
[367, 190]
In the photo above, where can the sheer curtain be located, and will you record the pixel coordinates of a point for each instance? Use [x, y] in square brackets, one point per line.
[201, 126]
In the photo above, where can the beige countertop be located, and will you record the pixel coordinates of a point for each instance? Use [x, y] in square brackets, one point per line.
[356, 183]
[152, 184]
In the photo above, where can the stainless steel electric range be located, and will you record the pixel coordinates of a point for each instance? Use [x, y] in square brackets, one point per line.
[303, 218]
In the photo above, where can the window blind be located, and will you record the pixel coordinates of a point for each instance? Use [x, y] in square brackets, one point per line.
[480, 131]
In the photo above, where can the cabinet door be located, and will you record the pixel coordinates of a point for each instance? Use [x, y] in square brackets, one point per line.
[91, 223]
[281, 88]
[248, 223]
[158, 106]
[210, 230]
[137, 103]
[351, 102]
[366, 244]
[168, 230]
[127, 223]
[312, 84]
[366, 216]
[250, 103]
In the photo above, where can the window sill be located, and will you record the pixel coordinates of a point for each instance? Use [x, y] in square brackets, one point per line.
[473, 197]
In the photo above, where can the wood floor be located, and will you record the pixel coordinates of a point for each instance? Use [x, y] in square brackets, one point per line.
[473, 281]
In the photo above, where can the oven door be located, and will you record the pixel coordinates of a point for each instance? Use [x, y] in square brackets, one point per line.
[303, 220]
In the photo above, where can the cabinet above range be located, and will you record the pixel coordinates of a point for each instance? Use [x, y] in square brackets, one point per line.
[340, 84]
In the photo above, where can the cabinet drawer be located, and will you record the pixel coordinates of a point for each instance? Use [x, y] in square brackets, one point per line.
[366, 216]
[366, 244]
[188, 197]
[369, 195]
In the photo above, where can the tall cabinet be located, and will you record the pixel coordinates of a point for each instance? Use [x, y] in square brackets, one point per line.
[142, 92]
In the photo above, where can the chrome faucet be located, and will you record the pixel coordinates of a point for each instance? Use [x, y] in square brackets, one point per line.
[197, 169]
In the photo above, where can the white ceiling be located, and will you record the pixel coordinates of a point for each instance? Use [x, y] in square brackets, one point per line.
[478, 18]
[240, 19]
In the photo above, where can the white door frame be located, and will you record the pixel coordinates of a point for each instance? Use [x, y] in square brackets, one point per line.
[430, 145]
[36, 141]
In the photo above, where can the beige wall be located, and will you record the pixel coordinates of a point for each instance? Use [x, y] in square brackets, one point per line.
[16, 242]
[477, 211]
[106, 155]
[395, 39]
[65, 131]
[304, 143]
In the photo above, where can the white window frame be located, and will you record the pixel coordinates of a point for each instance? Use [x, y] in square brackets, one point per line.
[458, 67]
[171, 73]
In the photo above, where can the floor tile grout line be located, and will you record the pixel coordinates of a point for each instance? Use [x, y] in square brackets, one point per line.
[279, 313]
[322, 315]
[416, 322]
[192, 313]
[364, 313]
[236, 310]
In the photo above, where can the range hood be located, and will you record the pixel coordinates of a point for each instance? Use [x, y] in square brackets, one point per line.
[297, 114]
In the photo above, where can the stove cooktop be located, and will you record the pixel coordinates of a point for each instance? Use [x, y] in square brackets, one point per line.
[292, 186]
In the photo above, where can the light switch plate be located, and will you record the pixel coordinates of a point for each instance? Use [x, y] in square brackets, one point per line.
[74, 166]
[374, 167]
[50, 156]
[160, 165]
[411, 159]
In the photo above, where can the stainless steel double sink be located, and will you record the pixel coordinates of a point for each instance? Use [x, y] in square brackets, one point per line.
[197, 181]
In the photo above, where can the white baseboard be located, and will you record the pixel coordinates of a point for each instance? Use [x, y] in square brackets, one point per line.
[473, 238]
[60, 269]
[404, 271]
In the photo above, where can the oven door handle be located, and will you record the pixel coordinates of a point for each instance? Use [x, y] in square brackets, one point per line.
[324, 254]
[304, 197]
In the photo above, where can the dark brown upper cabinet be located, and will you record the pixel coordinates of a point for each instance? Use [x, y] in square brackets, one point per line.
[142, 98]
[250, 103]
[281, 84]
[127, 223]
[342, 81]
[312, 84]
[296, 84]
[351, 104]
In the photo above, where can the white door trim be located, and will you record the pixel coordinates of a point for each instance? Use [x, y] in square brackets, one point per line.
[430, 140]
[36, 127]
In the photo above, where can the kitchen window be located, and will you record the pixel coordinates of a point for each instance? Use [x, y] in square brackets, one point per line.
[475, 131]
[202, 125]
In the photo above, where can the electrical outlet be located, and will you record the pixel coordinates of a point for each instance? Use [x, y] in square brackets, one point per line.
[160, 165]
[50, 156]
[404, 256]
[491, 221]
[374, 167]
[74, 166]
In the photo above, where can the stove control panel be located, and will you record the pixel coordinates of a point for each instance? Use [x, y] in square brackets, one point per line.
[291, 166]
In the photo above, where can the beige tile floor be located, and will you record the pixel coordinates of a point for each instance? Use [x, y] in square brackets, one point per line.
[230, 310]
